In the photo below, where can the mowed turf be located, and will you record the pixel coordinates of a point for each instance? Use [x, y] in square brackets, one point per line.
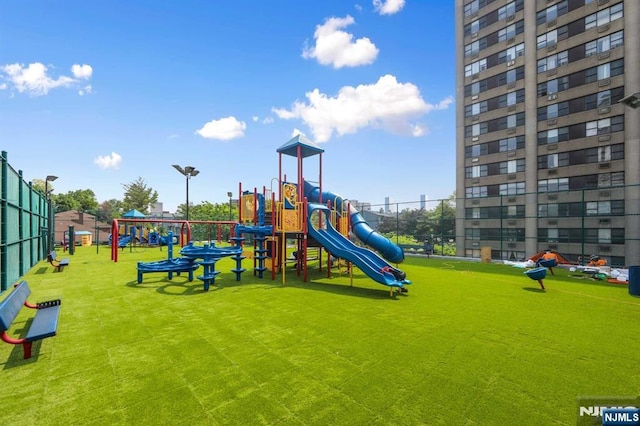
[470, 343]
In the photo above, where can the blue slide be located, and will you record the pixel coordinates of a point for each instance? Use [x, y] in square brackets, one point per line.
[369, 262]
[360, 227]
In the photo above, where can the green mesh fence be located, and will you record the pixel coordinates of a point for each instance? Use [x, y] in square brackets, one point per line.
[23, 227]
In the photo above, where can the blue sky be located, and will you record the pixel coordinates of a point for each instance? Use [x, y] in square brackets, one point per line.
[100, 93]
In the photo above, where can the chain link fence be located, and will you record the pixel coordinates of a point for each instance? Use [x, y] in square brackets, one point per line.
[603, 221]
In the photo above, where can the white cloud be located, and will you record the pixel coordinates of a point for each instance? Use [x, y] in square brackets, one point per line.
[386, 104]
[82, 71]
[388, 7]
[336, 47]
[109, 161]
[266, 120]
[224, 129]
[35, 80]
[297, 132]
[173, 136]
[87, 90]
[3, 86]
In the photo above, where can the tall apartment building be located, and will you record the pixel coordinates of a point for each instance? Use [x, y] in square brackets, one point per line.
[547, 156]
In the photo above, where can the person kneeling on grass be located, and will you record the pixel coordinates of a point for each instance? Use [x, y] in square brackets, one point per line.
[597, 261]
[548, 255]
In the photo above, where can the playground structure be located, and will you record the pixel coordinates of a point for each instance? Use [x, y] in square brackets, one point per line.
[301, 212]
[170, 265]
[209, 254]
[313, 218]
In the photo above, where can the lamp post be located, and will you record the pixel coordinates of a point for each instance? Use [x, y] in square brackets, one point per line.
[188, 172]
[632, 192]
[230, 194]
[50, 239]
[633, 100]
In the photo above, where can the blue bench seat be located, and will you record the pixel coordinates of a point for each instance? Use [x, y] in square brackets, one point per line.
[43, 325]
[52, 257]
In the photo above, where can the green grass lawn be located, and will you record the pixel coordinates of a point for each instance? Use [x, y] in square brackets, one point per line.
[470, 343]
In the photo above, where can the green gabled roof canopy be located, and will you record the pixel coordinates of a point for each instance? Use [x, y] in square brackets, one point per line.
[307, 148]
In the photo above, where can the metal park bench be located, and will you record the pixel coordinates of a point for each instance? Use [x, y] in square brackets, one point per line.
[43, 325]
[52, 257]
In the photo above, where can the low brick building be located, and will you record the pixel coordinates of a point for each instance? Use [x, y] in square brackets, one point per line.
[80, 221]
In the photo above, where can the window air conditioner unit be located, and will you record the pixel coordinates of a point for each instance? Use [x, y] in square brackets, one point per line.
[552, 97]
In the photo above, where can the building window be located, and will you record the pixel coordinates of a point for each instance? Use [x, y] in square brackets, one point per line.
[604, 236]
[606, 180]
[476, 172]
[471, 7]
[604, 126]
[553, 61]
[604, 44]
[601, 72]
[507, 32]
[510, 9]
[513, 188]
[604, 98]
[552, 37]
[553, 135]
[476, 192]
[552, 12]
[603, 16]
[511, 53]
[475, 67]
[510, 144]
[553, 185]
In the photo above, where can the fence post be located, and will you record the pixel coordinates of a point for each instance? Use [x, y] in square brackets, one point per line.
[3, 222]
[583, 211]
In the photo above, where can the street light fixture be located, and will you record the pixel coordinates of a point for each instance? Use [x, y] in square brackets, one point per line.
[230, 194]
[50, 239]
[188, 172]
[633, 100]
[49, 178]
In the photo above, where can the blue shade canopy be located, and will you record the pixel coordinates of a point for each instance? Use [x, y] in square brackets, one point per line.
[307, 148]
[133, 214]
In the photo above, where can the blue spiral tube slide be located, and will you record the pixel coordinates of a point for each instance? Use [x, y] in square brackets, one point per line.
[359, 226]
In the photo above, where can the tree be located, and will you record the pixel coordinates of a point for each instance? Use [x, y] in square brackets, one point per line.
[81, 200]
[138, 196]
[207, 211]
[109, 209]
[65, 202]
[40, 185]
[439, 223]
